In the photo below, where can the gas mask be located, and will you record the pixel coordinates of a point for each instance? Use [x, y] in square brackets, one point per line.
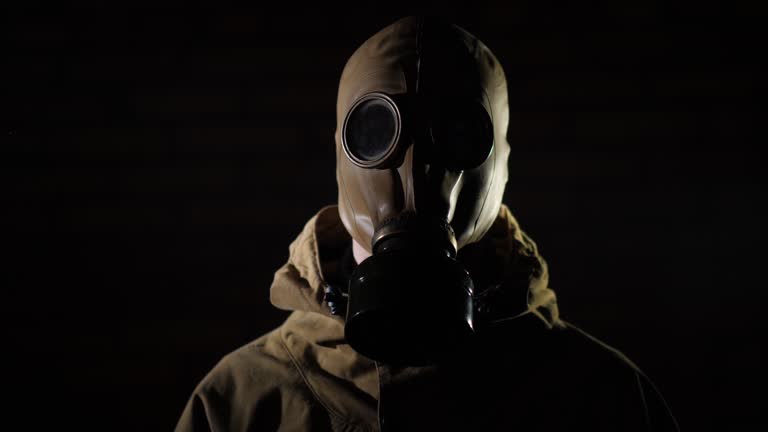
[422, 117]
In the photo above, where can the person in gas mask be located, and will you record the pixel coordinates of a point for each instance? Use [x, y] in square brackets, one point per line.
[418, 302]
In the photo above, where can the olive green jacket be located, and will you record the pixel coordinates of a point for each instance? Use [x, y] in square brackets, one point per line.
[528, 371]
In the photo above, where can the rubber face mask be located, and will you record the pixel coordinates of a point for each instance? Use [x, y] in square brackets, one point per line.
[421, 147]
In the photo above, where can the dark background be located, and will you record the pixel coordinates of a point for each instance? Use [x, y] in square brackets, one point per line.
[160, 161]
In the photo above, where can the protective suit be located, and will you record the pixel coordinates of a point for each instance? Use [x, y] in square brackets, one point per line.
[449, 322]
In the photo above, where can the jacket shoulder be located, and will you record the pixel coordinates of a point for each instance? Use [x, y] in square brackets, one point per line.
[611, 369]
[248, 388]
[585, 380]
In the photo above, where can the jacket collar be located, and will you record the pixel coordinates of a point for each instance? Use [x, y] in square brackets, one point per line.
[316, 254]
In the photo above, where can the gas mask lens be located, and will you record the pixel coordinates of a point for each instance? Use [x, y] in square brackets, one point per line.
[462, 136]
[371, 130]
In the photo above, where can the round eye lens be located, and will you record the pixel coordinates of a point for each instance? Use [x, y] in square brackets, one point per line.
[463, 137]
[371, 130]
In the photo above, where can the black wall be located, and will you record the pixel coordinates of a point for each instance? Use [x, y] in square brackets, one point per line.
[160, 161]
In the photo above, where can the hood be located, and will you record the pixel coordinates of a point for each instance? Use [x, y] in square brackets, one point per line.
[514, 277]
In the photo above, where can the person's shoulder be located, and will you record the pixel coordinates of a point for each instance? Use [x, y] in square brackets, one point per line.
[607, 368]
[246, 387]
[579, 343]
[257, 367]
[562, 353]
[563, 347]
[587, 381]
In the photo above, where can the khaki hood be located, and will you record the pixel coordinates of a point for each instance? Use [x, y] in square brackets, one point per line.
[316, 254]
